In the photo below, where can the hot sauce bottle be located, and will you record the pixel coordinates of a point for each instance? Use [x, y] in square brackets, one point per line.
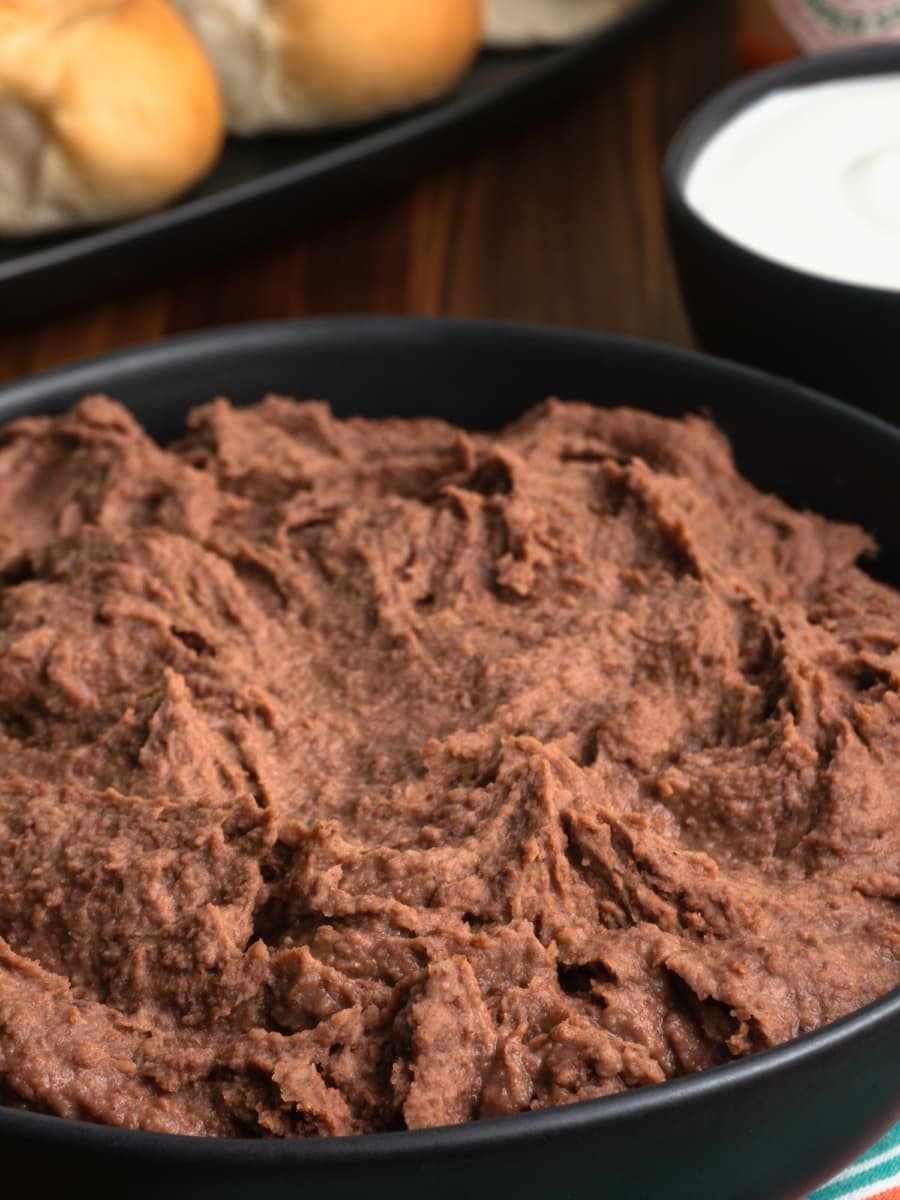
[773, 30]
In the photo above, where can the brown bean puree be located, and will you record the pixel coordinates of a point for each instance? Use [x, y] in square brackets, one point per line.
[369, 775]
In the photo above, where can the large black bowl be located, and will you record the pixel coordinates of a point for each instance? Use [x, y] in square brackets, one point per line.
[768, 1128]
[840, 337]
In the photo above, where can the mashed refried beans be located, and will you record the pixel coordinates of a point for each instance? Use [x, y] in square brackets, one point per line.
[365, 775]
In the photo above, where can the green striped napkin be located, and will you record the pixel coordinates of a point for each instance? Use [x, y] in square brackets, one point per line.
[876, 1176]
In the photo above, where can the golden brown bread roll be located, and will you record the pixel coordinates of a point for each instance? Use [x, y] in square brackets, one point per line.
[516, 23]
[107, 108]
[305, 64]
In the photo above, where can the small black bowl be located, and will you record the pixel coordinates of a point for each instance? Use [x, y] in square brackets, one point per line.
[840, 337]
[769, 1127]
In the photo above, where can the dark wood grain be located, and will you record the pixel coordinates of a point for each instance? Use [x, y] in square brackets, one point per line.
[560, 222]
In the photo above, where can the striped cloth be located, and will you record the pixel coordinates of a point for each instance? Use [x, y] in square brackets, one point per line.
[876, 1176]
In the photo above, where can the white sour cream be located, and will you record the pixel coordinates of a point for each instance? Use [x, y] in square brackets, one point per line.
[810, 177]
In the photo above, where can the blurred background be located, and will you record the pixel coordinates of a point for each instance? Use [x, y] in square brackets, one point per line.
[558, 220]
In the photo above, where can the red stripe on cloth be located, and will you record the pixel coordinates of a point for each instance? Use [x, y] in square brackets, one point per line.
[893, 1194]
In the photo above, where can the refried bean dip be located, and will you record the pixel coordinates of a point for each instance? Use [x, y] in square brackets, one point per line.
[365, 775]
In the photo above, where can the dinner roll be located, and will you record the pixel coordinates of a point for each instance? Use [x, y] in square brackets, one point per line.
[515, 23]
[305, 64]
[106, 109]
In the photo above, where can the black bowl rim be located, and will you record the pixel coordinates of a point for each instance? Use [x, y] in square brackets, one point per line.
[702, 125]
[480, 1137]
[77, 377]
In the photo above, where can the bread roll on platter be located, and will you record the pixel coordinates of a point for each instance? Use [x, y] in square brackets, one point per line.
[106, 110]
[309, 64]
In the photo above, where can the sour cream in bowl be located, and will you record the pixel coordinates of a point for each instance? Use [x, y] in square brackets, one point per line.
[810, 177]
[783, 198]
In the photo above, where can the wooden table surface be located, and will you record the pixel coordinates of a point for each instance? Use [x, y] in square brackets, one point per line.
[559, 222]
